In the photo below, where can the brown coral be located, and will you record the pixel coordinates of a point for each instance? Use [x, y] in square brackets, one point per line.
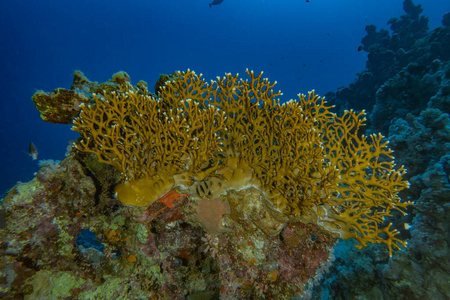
[311, 164]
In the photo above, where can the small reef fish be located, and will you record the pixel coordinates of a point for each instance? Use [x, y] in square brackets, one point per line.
[360, 48]
[215, 2]
[32, 150]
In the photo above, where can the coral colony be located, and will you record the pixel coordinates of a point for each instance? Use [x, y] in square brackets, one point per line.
[201, 190]
[232, 134]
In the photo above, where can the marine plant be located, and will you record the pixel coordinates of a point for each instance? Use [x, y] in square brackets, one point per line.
[311, 164]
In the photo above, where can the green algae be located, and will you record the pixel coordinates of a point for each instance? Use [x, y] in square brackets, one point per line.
[63, 284]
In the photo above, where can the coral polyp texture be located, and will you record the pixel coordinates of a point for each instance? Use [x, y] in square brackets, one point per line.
[232, 134]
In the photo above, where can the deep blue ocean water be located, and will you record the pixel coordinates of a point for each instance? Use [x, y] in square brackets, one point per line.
[300, 45]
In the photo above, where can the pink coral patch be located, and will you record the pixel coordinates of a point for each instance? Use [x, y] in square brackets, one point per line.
[210, 213]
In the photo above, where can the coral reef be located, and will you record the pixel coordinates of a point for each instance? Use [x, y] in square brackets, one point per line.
[410, 91]
[406, 63]
[410, 100]
[220, 229]
[65, 235]
[421, 140]
[232, 134]
[58, 243]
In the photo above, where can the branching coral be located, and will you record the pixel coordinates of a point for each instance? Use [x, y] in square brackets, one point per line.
[233, 133]
[149, 140]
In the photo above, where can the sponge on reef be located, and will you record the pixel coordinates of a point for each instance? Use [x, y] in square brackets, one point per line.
[232, 133]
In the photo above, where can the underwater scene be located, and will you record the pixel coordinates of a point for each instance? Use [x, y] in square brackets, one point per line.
[225, 149]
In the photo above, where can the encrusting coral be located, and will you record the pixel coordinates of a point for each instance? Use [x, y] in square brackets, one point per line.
[231, 133]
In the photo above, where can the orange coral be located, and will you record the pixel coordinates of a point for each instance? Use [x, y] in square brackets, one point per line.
[131, 258]
[113, 236]
[313, 165]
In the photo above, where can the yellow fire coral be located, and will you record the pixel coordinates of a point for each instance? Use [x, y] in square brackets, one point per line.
[233, 133]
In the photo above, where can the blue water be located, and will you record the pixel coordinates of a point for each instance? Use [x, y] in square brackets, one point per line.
[301, 45]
